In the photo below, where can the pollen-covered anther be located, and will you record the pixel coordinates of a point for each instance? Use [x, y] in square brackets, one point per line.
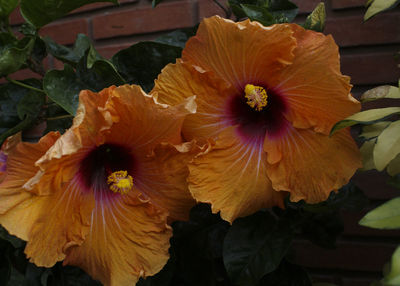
[256, 96]
[120, 182]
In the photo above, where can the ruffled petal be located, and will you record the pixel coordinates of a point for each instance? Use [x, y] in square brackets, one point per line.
[140, 122]
[310, 165]
[232, 177]
[179, 81]
[162, 178]
[87, 128]
[64, 221]
[20, 208]
[241, 53]
[318, 95]
[128, 239]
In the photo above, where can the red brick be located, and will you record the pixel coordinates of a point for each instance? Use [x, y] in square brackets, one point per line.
[341, 4]
[24, 74]
[208, 8]
[354, 256]
[166, 16]
[99, 5]
[109, 51]
[16, 17]
[64, 32]
[306, 6]
[373, 68]
[351, 31]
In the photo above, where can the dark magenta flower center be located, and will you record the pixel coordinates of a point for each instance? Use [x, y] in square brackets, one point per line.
[255, 124]
[101, 162]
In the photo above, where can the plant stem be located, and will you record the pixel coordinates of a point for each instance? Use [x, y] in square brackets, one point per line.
[24, 85]
[60, 117]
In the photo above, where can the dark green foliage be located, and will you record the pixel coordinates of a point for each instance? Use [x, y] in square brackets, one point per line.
[267, 12]
[177, 38]
[68, 55]
[63, 87]
[141, 63]
[14, 53]
[91, 72]
[20, 107]
[6, 7]
[255, 246]
[42, 12]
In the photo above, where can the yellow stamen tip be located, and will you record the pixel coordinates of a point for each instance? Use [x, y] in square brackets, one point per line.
[257, 97]
[120, 182]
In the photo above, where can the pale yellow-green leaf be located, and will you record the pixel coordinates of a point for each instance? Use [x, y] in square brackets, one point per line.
[394, 166]
[367, 150]
[393, 277]
[366, 117]
[386, 216]
[378, 6]
[316, 20]
[387, 145]
[384, 91]
[373, 130]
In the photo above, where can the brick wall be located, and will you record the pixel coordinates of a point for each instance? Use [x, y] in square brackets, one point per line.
[367, 51]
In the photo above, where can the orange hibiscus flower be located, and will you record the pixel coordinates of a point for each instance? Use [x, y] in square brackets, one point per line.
[99, 196]
[268, 96]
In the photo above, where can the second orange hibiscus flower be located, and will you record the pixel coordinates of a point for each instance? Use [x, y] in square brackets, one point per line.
[268, 96]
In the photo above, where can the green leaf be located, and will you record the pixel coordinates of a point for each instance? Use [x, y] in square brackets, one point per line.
[30, 105]
[283, 11]
[373, 130]
[18, 103]
[259, 14]
[386, 216]
[367, 151]
[13, 54]
[72, 55]
[141, 63]
[378, 6]
[384, 91]
[316, 20]
[393, 275]
[177, 38]
[394, 166]
[63, 87]
[387, 146]
[6, 7]
[254, 247]
[42, 12]
[366, 117]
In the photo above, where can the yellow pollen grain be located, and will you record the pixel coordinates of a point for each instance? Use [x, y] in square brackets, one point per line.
[256, 96]
[120, 182]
